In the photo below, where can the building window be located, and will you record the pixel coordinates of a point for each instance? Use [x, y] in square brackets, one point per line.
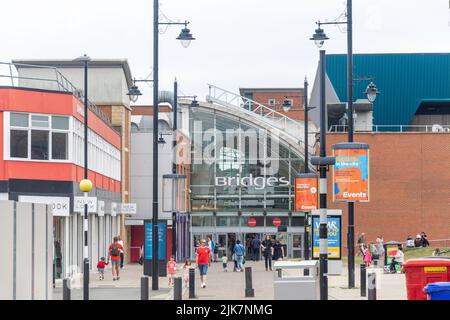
[272, 102]
[39, 137]
[19, 143]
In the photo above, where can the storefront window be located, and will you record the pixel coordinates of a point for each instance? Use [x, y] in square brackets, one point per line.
[227, 221]
[297, 222]
[203, 221]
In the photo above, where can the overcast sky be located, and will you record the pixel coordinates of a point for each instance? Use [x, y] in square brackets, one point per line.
[256, 43]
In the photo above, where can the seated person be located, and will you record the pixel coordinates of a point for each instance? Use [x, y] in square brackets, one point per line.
[397, 260]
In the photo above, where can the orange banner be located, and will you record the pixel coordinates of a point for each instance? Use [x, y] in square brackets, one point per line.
[351, 175]
[305, 194]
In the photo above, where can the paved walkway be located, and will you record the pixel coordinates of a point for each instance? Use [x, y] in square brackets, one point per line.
[226, 285]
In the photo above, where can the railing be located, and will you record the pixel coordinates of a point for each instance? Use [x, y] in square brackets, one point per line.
[275, 118]
[9, 77]
[435, 128]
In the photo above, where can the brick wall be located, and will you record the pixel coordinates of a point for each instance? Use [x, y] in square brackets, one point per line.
[409, 186]
[296, 112]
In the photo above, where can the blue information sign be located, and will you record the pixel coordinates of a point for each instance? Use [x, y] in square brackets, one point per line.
[334, 237]
[162, 240]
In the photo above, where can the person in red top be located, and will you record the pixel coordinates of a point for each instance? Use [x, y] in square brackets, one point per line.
[101, 268]
[203, 261]
[171, 269]
[114, 254]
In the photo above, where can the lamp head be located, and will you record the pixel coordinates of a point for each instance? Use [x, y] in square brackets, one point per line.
[371, 92]
[185, 37]
[86, 185]
[319, 37]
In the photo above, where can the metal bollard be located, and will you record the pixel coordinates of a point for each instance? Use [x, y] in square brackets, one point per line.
[191, 283]
[66, 289]
[363, 279]
[249, 291]
[375, 262]
[177, 289]
[279, 273]
[372, 295]
[144, 288]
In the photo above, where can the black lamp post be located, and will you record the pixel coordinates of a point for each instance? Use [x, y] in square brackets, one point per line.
[371, 93]
[85, 184]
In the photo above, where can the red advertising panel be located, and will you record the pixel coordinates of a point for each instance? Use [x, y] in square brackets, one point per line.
[276, 222]
[351, 172]
[251, 222]
[306, 192]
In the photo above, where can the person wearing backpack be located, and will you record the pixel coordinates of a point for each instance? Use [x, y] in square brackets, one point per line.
[239, 251]
[114, 253]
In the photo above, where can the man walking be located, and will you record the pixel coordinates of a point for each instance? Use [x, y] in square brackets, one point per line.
[114, 257]
[239, 251]
[203, 261]
[256, 247]
[121, 251]
[267, 247]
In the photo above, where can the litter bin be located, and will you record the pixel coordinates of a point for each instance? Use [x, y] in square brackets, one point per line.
[291, 283]
[438, 291]
[420, 272]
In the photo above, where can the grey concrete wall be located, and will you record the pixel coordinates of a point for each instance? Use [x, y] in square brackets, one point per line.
[26, 234]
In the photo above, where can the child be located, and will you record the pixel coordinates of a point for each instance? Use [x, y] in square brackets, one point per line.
[186, 267]
[367, 257]
[101, 268]
[224, 262]
[171, 269]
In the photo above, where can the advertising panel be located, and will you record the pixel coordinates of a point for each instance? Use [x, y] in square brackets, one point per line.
[334, 237]
[351, 172]
[162, 239]
[306, 192]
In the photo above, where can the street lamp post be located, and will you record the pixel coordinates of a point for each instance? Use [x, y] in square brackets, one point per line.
[85, 184]
[185, 37]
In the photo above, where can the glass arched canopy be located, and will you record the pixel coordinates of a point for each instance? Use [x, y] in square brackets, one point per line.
[238, 165]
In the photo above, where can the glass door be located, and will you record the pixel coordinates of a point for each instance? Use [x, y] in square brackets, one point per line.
[297, 245]
[222, 243]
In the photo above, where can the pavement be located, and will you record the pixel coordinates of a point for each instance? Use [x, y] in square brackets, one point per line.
[227, 285]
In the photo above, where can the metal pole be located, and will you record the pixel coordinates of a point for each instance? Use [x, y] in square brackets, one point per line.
[66, 289]
[85, 220]
[144, 288]
[249, 291]
[351, 205]
[177, 289]
[372, 290]
[191, 283]
[323, 252]
[174, 167]
[363, 280]
[155, 274]
[306, 240]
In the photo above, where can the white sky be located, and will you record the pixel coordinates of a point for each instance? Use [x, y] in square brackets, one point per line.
[254, 43]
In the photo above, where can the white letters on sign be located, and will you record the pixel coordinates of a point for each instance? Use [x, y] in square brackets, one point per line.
[79, 202]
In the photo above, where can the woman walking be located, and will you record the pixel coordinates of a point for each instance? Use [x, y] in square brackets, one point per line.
[278, 251]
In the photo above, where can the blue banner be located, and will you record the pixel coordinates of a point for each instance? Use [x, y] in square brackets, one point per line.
[334, 237]
[162, 240]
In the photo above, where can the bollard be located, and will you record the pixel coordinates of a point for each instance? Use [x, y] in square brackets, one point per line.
[249, 291]
[363, 279]
[191, 283]
[144, 288]
[279, 273]
[66, 289]
[372, 295]
[177, 289]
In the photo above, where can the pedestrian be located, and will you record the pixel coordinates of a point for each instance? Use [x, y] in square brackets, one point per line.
[216, 252]
[362, 243]
[197, 245]
[367, 257]
[256, 247]
[425, 242]
[171, 269]
[239, 251]
[203, 261]
[212, 247]
[410, 242]
[418, 241]
[380, 246]
[267, 247]
[114, 254]
[278, 251]
[101, 268]
[121, 251]
[186, 267]
[224, 262]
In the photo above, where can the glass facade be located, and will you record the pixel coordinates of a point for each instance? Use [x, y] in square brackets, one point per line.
[238, 166]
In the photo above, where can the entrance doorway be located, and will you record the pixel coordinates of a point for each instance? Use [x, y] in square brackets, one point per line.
[297, 245]
[248, 243]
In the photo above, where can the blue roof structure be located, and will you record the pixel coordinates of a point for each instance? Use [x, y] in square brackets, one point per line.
[404, 81]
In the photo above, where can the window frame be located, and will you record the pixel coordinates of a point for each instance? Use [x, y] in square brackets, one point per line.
[7, 137]
[272, 102]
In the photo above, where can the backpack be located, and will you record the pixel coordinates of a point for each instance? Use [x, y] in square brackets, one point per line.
[115, 251]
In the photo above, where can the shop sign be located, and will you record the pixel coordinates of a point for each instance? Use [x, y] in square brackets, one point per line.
[79, 203]
[128, 208]
[251, 222]
[306, 192]
[101, 208]
[259, 183]
[351, 172]
[60, 205]
[276, 222]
